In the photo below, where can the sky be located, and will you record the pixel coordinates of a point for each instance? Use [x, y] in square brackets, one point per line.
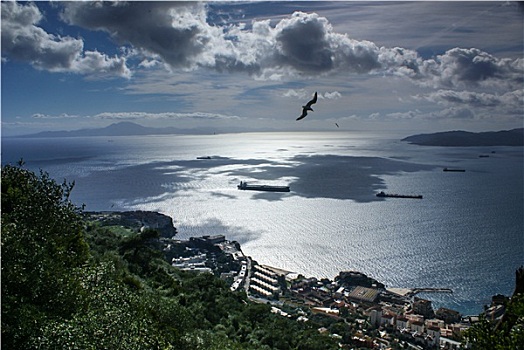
[416, 66]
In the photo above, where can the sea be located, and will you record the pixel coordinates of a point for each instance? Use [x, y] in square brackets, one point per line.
[466, 233]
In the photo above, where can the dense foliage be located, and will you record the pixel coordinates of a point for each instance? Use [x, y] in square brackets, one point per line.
[507, 334]
[68, 284]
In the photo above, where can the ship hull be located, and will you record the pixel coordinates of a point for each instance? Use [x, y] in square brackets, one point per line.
[454, 170]
[389, 195]
[267, 188]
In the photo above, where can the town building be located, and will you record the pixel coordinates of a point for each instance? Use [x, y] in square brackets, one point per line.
[402, 322]
[423, 307]
[448, 315]
[363, 294]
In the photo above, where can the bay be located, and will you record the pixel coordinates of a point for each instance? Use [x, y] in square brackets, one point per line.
[465, 234]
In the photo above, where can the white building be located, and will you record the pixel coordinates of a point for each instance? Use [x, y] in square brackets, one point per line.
[417, 326]
[402, 323]
[387, 320]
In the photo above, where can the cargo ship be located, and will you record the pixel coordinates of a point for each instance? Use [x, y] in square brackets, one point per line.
[268, 188]
[389, 195]
[454, 170]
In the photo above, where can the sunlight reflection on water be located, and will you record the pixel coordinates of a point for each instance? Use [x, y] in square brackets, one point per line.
[466, 234]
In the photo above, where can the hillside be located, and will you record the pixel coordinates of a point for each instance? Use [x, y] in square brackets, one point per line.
[76, 280]
[68, 283]
[514, 137]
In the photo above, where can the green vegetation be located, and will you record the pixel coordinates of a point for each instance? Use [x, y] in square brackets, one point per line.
[70, 284]
[508, 334]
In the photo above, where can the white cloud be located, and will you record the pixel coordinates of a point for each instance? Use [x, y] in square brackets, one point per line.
[61, 116]
[23, 40]
[178, 34]
[512, 99]
[299, 94]
[175, 31]
[472, 83]
[478, 105]
[471, 67]
[167, 115]
[460, 112]
[332, 95]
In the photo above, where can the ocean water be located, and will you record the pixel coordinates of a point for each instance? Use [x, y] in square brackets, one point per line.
[467, 233]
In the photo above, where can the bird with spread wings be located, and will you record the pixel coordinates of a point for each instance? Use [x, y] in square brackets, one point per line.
[307, 107]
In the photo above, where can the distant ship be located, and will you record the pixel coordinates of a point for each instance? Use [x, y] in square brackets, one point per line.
[269, 188]
[203, 157]
[455, 170]
[382, 194]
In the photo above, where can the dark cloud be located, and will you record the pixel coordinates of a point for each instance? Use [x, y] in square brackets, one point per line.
[179, 35]
[303, 43]
[172, 30]
[23, 40]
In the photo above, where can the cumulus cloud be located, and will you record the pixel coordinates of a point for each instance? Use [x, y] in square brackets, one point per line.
[179, 35]
[23, 40]
[513, 99]
[332, 95]
[302, 42]
[471, 67]
[479, 104]
[176, 32]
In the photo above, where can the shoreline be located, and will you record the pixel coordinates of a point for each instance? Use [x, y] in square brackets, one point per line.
[163, 222]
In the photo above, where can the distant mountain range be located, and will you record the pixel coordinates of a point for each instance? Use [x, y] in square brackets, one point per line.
[514, 137]
[120, 129]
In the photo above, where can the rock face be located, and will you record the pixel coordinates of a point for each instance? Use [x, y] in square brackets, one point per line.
[514, 137]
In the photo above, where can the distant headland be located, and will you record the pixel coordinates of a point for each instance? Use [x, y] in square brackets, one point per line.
[514, 137]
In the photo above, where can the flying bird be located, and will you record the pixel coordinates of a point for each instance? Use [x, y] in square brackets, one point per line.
[337, 125]
[307, 107]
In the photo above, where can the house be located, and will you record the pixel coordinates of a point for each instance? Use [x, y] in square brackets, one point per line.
[435, 323]
[414, 318]
[448, 315]
[434, 333]
[374, 313]
[387, 320]
[423, 307]
[402, 322]
[417, 326]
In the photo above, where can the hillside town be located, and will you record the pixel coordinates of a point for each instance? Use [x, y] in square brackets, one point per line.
[378, 317]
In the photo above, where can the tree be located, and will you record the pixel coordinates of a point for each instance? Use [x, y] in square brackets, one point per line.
[508, 335]
[43, 247]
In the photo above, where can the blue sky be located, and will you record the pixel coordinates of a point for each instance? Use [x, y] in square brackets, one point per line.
[250, 66]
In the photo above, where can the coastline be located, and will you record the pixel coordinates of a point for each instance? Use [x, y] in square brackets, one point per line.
[139, 219]
[274, 232]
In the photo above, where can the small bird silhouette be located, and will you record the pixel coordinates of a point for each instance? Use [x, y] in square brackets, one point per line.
[337, 125]
[307, 107]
